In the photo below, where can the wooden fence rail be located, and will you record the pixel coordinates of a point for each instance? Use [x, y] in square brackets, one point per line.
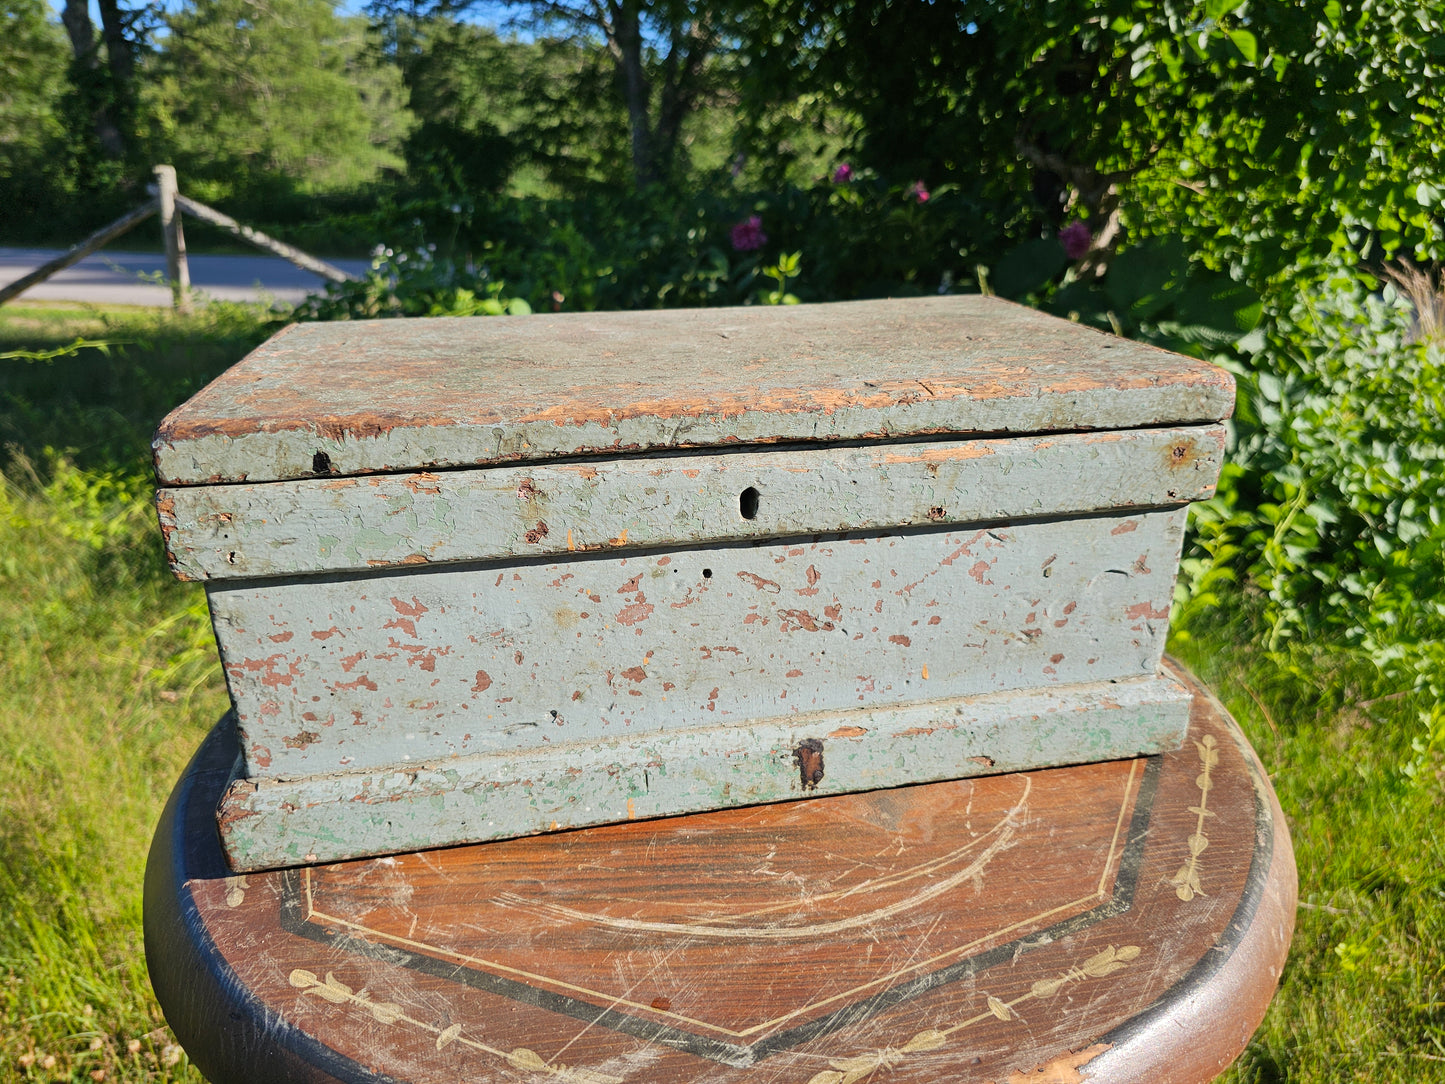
[79, 251]
[260, 240]
[168, 201]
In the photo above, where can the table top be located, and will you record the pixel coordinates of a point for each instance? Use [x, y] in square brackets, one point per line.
[1125, 920]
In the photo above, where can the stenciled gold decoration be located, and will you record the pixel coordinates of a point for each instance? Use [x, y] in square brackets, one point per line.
[1186, 881]
[849, 1070]
[337, 992]
[236, 891]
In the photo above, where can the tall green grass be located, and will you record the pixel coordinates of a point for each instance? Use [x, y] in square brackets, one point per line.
[1363, 993]
[108, 681]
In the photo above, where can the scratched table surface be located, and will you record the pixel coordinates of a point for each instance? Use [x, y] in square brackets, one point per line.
[1119, 921]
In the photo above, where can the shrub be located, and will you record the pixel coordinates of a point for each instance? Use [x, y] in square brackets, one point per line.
[1332, 503]
[613, 249]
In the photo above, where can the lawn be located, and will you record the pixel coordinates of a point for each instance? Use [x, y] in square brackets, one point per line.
[108, 680]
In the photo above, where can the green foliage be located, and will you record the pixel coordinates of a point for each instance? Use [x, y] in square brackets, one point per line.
[99, 647]
[650, 64]
[68, 350]
[620, 249]
[412, 284]
[492, 107]
[250, 90]
[787, 267]
[1261, 134]
[32, 67]
[1330, 139]
[111, 679]
[33, 58]
[1362, 997]
[1332, 504]
[1155, 291]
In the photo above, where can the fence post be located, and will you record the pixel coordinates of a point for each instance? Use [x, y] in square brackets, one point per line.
[177, 271]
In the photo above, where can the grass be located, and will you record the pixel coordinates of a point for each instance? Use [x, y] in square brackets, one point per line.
[1363, 994]
[108, 686]
[100, 406]
[108, 682]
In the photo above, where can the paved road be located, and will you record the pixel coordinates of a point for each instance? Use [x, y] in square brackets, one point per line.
[128, 278]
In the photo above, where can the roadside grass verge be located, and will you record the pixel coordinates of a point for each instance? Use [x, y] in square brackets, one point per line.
[108, 678]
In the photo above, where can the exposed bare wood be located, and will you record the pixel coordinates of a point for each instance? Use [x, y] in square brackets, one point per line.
[79, 251]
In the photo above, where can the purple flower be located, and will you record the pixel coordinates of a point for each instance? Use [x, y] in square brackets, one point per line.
[748, 235]
[843, 174]
[1076, 238]
[918, 192]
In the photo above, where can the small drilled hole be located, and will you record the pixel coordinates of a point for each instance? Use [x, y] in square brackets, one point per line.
[748, 502]
[707, 573]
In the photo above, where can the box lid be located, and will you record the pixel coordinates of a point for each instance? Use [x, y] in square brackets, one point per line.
[364, 397]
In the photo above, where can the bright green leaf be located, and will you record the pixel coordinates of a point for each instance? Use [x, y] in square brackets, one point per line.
[1245, 42]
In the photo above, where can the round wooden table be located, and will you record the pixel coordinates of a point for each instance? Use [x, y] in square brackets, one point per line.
[1124, 921]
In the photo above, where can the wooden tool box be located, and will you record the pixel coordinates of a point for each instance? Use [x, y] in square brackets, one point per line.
[475, 579]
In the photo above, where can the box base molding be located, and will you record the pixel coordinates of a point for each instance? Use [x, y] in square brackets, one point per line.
[272, 823]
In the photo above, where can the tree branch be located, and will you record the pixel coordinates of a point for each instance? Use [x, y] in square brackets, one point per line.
[1091, 185]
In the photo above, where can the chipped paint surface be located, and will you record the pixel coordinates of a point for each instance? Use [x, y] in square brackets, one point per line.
[419, 666]
[429, 707]
[321, 818]
[818, 548]
[285, 528]
[360, 397]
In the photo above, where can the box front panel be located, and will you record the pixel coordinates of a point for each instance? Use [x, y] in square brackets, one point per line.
[348, 672]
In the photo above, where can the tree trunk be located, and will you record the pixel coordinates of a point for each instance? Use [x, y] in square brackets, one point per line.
[76, 18]
[689, 50]
[119, 51]
[690, 39]
[627, 45]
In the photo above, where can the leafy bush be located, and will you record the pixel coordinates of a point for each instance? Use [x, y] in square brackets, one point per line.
[1154, 290]
[1331, 505]
[412, 284]
[618, 249]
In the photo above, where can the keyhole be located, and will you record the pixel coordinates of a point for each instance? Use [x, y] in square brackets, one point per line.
[748, 502]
